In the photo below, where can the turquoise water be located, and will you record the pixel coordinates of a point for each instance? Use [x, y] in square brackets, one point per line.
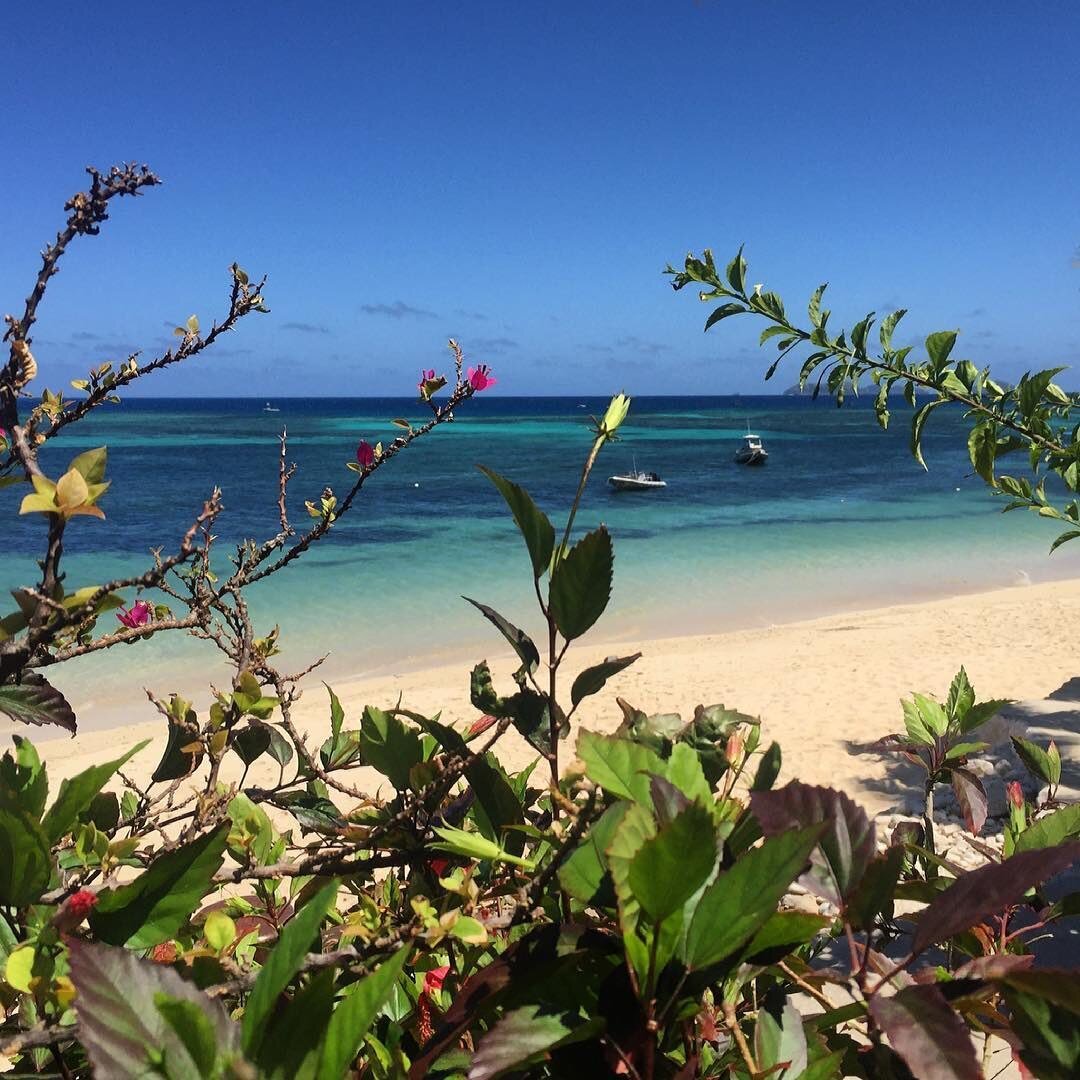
[840, 518]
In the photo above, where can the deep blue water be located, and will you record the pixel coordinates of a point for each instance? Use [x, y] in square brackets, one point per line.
[840, 517]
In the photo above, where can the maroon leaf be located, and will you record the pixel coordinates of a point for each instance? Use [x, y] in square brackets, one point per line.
[847, 846]
[119, 1026]
[34, 701]
[931, 1038]
[988, 891]
[972, 799]
[995, 966]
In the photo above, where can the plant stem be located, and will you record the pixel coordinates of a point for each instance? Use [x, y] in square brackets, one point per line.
[732, 1022]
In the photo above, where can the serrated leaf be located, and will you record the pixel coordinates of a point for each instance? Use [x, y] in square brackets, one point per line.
[581, 584]
[25, 862]
[672, 865]
[619, 766]
[743, 898]
[36, 702]
[847, 844]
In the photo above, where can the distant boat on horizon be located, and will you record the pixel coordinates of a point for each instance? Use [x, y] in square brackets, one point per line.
[270, 408]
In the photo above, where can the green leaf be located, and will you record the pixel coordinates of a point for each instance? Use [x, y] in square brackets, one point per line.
[25, 778]
[783, 932]
[584, 874]
[293, 945]
[592, 680]
[91, 464]
[619, 766]
[724, 311]
[77, 793]
[535, 527]
[158, 903]
[120, 1030]
[741, 900]
[918, 422]
[522, 644]
[1049, 831]
[938, 347]
[982, 449]
[195, 1031]
[474, 846]
[337, 713]
[251, 742]
[875, 893]
[389, 746]
[25, 863]
[736, 272]
[34, 701]
[1036, 760]
[779, 1039]
[672, 865]
[768, 770]
[581, 584]
[1049, 1032]
[353, 1018]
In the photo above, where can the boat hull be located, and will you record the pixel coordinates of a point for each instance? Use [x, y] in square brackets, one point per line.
[626, 483]
[751, 457]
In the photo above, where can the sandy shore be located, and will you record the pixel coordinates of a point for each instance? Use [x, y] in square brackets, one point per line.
[820, 686]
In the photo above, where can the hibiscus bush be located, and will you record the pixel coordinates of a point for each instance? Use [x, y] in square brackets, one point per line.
[623, 906]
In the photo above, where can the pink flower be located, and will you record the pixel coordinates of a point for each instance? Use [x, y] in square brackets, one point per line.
[138, 615]
[365, 454]
[426, 375]
[480, 377]
[433, 980]
[1015, 794]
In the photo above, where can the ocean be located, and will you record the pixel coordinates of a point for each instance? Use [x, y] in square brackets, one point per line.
[841, 518]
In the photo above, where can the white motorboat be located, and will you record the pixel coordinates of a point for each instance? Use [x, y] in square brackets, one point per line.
[752, 452]
[270, 408]
[636, 481]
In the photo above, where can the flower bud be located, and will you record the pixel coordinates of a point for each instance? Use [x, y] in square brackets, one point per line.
[615, 415]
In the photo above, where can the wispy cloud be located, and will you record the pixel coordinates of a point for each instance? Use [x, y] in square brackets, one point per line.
[598, 348]
[398, 310]
[85, 335]
[984, 335]
[646, 348]
[305, 328]
[491, 345]
[974, 313]
[477, 315]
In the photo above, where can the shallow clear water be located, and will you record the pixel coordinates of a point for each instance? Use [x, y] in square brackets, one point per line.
[840, 517]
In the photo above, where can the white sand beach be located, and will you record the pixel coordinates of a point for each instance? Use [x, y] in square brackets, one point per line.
[820, 686]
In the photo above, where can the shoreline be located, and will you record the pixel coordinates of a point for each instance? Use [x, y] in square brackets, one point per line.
[821, 686]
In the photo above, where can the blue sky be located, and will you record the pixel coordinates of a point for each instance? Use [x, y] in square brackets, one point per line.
[518, 175]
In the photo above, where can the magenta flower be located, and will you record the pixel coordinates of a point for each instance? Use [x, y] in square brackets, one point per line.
[137, 615]
[3, 438]
[365, 454]
[426, 375]
[480, 377]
